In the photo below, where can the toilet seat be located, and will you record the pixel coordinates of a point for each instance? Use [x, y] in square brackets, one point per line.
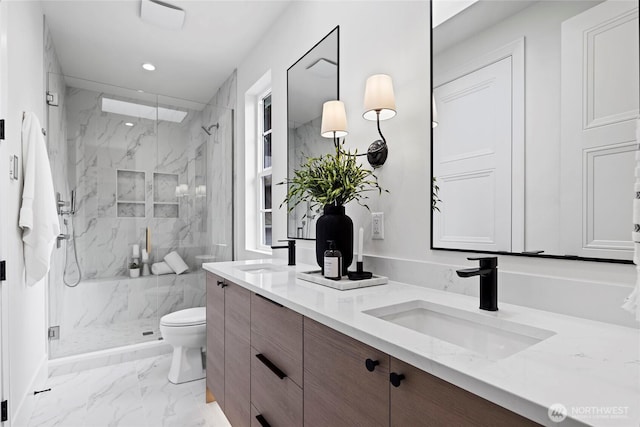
[188, 317]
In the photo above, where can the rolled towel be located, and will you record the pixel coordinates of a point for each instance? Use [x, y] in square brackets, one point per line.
[175, 261]
[159, 268]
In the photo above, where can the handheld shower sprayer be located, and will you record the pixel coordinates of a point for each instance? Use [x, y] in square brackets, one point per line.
[72, 208]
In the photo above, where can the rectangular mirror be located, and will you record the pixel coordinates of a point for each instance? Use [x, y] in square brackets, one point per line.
[533, 137]
[311, 81]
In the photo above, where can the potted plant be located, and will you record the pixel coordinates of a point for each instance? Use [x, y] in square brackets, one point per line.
[330, 181]
[134, 269]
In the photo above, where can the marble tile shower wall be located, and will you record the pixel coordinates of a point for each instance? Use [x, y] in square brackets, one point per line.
[114, 175]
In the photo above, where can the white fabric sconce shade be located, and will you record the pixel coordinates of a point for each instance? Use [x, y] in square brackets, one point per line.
[379, 98]
[434, 112]
[334, 120]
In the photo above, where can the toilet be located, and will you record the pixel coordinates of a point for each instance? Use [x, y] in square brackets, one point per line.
[186, 331]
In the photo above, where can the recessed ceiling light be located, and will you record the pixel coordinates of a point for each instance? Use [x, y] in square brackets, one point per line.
[128, 124]
[148, 66]
[140, 90]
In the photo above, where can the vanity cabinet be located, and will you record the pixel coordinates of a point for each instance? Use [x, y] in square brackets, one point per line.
[276, 364]
[270, 366]
[339, 390]
[423, 399]
[229, 348]
[215, 337]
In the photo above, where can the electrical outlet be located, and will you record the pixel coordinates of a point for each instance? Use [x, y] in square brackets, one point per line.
[377, 225]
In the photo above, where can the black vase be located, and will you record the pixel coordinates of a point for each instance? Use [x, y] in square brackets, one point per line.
[334, 225]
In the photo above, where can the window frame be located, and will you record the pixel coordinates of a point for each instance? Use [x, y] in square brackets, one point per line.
[263, 172]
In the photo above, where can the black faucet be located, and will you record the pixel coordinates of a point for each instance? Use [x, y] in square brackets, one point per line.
[291, 245]
[488, 272]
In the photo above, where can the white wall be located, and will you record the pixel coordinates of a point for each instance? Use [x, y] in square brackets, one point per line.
[393, 38]
[27, 322]
[375, 37]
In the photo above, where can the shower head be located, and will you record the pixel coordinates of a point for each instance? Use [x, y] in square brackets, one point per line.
[208, 130]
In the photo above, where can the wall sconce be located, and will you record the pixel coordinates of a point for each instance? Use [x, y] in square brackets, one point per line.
[434, 112]
[334, 121]
[379, 104]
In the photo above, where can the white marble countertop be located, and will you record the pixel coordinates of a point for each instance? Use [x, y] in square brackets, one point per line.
[592, 368]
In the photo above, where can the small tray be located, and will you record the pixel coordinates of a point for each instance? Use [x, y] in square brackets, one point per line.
[342, 285]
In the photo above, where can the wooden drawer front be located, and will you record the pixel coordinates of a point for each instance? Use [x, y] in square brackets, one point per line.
[423, 399]
[237, 386]
[276, 332]
[258, 419]
[215, 338]
[279, 401]
[338, 388]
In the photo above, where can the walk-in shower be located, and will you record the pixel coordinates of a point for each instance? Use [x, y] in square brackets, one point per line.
[132, 168]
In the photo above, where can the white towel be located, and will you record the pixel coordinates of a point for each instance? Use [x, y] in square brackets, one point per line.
[159, 268]
[632, 303]
[176, 262]
[38, 213]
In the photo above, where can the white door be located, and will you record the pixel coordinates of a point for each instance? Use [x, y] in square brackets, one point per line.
[472, 160]
[600, 91]
[4, 183]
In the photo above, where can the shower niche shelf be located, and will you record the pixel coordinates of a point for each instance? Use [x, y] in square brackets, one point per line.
[131, 193]
[165, 198]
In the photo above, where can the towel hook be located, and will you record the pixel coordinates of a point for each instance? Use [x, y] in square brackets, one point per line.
[44, 132]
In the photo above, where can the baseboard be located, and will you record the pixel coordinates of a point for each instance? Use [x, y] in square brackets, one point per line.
[24, 408]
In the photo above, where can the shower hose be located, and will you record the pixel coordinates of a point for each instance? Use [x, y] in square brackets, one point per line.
[75, 254]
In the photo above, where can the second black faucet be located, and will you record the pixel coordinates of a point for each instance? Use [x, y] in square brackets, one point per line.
[488, 272]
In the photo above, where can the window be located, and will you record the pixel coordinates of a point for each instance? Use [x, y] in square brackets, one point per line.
[264, 171]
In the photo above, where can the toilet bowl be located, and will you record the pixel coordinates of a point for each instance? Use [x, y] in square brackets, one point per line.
[186, 331]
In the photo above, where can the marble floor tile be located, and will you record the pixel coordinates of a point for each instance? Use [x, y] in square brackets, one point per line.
[129, 394]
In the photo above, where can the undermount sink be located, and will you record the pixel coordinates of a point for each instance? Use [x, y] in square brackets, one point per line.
[261, 268]
[490, 336]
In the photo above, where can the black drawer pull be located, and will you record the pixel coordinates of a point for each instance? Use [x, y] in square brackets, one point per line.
[371, 364]
[271, 366]
[396, 379]
[267, 299]
[220, 283]
[262, 421]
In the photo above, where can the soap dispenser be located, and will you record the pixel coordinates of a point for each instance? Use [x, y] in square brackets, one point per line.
[332, 262]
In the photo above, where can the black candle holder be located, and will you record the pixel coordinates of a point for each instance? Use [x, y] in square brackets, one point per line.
[359, 274]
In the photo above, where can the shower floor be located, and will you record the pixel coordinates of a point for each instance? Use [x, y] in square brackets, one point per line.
[95, 338]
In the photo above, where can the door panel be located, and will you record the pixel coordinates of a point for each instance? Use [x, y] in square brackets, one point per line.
[338, 388]
[215, 338]
[237, 355]
[472, 159]
[4, 183]
[600, 92]
[422, 399]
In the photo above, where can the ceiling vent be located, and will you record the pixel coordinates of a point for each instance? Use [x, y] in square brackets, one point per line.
[161, 14]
